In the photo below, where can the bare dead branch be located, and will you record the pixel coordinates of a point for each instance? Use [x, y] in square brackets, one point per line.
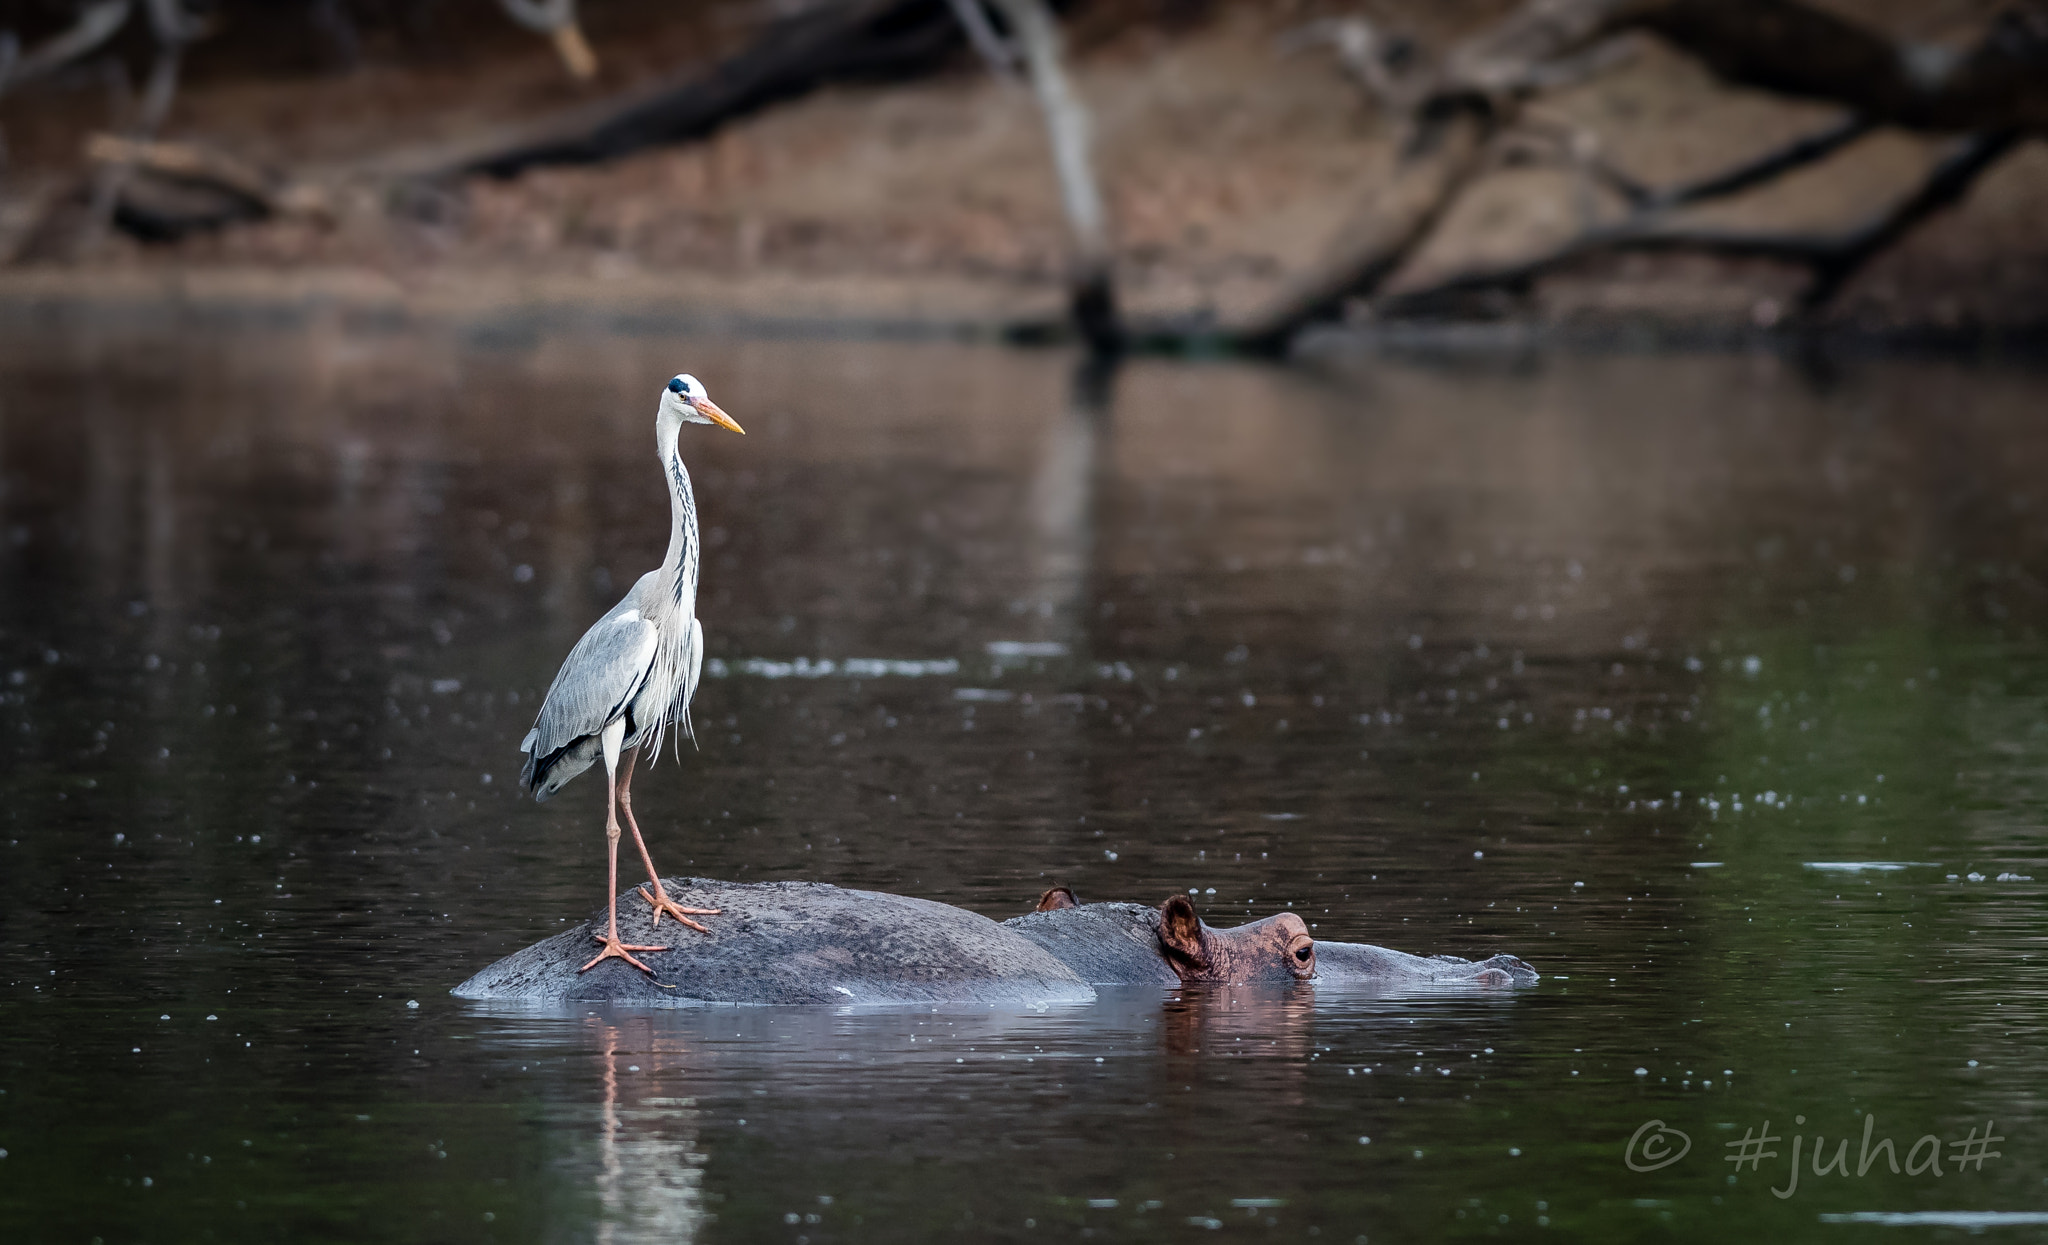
[1092, 294]
[1587, 63]
[1501, 60]
[170, 22]
[1372, 59]
[1946, 183]
[1832, 258]
[1793, 49]
[835, 41]
[1751, 173]
[174, 28]
[1457, 110]
[1382, 235]
[96, 24]
[1546, 140]
[1786, 46]
[995, 50]
[187, 162]
[1997, 89]
[1579, 149]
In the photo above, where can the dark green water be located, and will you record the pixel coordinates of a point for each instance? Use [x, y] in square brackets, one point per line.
[1592, 660]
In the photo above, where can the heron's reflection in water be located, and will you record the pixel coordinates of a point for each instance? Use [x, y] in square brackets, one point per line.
[650, 1171]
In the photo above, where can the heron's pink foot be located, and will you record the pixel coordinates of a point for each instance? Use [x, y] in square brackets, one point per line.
[613, 947]
[661, 903]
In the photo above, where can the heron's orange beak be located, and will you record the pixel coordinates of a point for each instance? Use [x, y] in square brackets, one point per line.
[709, 409]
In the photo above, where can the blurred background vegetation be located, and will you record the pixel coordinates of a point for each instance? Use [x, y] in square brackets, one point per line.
[1262, 167]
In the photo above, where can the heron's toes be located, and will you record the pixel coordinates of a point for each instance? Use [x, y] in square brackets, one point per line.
[614, 948]
[660, 902]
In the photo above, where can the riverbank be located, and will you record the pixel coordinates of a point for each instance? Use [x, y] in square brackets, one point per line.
[1231, 167]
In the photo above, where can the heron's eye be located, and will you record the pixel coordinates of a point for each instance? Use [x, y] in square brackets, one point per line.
[677, 386]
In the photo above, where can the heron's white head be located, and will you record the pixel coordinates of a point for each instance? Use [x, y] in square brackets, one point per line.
[686, 400]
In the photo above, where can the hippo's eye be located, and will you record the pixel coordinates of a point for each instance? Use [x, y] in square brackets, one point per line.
[1302, 955]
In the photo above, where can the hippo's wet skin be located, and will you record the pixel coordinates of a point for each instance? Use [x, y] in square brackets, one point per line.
[1127, 943]
[791, 942]
[807, 942]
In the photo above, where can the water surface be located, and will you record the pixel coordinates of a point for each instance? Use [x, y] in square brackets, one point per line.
[1714, 687]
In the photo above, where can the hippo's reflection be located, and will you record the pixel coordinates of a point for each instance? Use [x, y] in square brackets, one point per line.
[1258, 1021]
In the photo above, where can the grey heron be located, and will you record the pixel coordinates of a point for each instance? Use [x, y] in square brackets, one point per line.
[632, 674]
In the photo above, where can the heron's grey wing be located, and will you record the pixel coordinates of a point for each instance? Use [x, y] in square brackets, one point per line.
[600, 678]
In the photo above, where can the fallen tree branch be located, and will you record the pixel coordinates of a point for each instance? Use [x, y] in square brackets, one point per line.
[846, 39]
[1580, 151]
[188, 163]
[1946, 183]
[1798, 153]
[1456, 111]
[1789, 47]
[1540, 140]
[1997, 91]
[173, 30]
[1375, 61]
[97, 23]
[170, 189]
[1381, 236]
[1832, 258]
[995, 50]
[1793, 49]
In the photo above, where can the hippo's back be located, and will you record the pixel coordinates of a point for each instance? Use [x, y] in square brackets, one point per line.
[1105, 944]
[789, 942]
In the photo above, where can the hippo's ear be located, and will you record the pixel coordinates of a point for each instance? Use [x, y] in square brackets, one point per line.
[1056, 898]
[1180, 933]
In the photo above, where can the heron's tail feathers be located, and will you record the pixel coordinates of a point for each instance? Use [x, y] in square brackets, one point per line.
[543, 775]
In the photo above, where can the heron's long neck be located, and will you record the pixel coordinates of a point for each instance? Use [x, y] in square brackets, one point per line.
[679, 566]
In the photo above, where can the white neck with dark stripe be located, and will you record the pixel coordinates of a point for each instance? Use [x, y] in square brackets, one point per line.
[679, 565]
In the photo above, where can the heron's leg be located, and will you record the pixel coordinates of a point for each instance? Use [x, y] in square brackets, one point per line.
[659, 899]
[613, 735]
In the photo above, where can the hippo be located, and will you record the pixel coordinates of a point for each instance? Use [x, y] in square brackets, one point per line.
[810, 943]
[1131, 944]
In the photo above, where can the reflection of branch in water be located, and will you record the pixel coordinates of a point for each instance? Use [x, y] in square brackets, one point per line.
[1061, 507]
[650, 1175]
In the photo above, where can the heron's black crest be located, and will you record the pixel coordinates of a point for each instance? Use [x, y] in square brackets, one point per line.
[677, 386]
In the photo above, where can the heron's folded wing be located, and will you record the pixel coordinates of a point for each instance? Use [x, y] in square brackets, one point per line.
[603, 673]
